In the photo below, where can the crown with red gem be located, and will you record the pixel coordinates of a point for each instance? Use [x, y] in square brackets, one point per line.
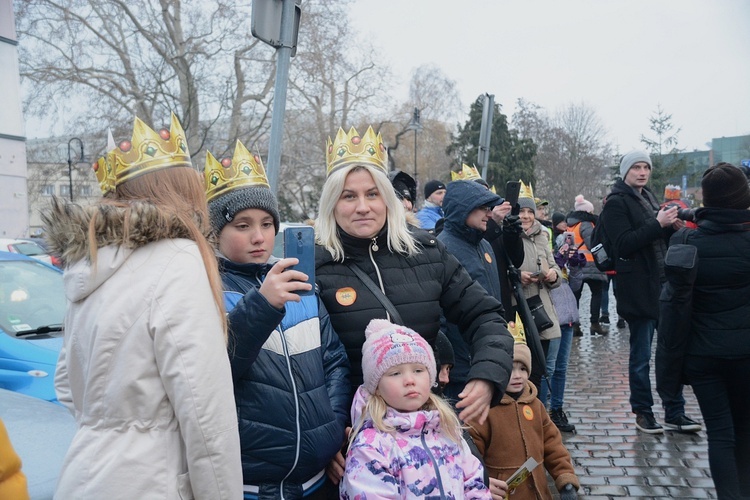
[147, 151]
[352, 148]
[243, 170]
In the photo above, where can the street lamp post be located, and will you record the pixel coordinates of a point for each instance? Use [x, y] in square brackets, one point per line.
[416, 126]
[70, 164]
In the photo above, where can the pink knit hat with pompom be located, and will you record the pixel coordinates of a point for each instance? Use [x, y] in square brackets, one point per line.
[583, 205]
[387, 345]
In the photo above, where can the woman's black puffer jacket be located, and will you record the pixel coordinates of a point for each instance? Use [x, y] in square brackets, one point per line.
[420, 287]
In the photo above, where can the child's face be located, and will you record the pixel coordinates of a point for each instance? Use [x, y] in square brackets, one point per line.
[249, 238]
[518, 377]
[405, 387]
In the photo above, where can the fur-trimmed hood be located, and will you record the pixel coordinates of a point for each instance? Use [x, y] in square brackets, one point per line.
[67, 224]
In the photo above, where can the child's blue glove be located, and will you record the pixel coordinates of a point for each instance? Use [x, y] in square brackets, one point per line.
[568, 492]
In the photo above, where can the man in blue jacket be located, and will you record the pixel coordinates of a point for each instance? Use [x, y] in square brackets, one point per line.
[290, 371]
[434, 192]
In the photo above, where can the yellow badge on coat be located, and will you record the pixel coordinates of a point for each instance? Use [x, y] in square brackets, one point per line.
[488, 257]
[346, 296]
[528, 413]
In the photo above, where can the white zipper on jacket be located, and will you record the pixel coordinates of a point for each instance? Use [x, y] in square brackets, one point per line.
[296, 411]
[374, 247]
[296, 403]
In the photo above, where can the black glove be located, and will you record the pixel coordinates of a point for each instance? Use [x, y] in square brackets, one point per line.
[512, 224]
[568, 492]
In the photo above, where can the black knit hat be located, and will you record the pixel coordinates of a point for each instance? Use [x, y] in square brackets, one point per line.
[725, 186]
[222, 209]
[444, 350]
[557, 218]
[431, 187]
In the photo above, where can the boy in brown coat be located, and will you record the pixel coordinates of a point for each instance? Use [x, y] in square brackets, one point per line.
[519, 428]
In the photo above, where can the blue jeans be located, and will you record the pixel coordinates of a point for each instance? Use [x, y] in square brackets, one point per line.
[561, 367]
[639, 367]
[551, 348]
[605, 297]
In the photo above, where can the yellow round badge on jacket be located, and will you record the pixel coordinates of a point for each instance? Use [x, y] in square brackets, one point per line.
[488, 257]
[346, 296]
[528, 413]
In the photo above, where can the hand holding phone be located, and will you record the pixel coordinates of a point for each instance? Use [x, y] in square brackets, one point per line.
[512, 190]
[299, 243]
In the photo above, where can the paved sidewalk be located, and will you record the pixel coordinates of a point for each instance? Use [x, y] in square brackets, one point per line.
[612, 458]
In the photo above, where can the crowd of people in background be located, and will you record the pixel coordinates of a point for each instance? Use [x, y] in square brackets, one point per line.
[427, 357]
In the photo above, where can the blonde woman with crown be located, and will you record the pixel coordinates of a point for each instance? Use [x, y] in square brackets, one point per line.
[144, 367]
[361, 223]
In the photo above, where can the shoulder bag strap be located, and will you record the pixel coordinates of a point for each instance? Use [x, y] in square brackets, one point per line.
[377, 292]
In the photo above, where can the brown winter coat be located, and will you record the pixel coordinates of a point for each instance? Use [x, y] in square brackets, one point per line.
[516, 430]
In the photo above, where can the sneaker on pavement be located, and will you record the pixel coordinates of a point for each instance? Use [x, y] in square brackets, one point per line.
[604, 319]
[559, 418]
[620, 323]
[645, 422]
[682, 424]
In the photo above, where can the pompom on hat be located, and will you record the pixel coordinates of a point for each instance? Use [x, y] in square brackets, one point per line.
[387, 345]
[725, 186]
[583, 205]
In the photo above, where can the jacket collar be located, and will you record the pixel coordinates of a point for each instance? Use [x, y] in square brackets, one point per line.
[723, 220]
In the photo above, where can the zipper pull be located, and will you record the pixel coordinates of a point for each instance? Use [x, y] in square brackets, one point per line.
[375, 246]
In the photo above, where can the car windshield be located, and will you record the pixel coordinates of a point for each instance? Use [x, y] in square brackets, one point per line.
[31, 296]
[28, 248]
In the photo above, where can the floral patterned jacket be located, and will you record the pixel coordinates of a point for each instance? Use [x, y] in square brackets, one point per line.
[416, 461]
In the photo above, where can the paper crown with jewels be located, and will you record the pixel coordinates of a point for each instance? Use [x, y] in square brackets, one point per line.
[147, 151]
[467, 173]
[243, 170]
[526, 190]
[352, 148]
[517, 331]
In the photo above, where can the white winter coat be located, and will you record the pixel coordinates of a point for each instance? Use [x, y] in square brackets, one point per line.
[144, 370]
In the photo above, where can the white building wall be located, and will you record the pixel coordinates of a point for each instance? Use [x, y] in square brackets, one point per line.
[14, 212]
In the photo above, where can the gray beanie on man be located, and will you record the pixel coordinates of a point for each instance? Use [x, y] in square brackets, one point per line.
[223, 209]
[631, 159]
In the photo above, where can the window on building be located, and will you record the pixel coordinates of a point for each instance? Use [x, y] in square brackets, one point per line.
[48, 190]
[64, 190]
[84, 190]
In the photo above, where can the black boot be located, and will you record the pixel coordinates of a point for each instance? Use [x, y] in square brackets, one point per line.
[597, 328]
[559, 418]
[577, 330]
[604, 320]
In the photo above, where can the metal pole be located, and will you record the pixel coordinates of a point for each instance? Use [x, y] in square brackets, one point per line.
[70, 164]
[283, 56]
[415, 157]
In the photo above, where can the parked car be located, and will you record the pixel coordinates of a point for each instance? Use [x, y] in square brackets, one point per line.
[40, 433]
[29, 248]
[32, 308]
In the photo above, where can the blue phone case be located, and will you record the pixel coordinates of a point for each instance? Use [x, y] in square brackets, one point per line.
[299, 242]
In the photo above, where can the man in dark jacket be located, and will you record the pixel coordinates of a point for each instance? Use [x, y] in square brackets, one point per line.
[290, 370]
[639, 231]
[467, 206]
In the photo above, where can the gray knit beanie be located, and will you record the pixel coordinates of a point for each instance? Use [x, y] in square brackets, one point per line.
[631, 159]
[222, 209]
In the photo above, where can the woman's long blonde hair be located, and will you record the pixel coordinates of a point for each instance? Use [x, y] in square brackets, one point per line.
[400, 240]
[375, 409]
[180, 199]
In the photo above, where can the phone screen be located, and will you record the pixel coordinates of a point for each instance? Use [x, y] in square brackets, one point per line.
[512, 189]
[299, 242]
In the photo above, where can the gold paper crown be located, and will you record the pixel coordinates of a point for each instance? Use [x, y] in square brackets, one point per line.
[243, 170]
[352, 148]
[147, 151]
[517, 331]
[526, 190]
[467, 173]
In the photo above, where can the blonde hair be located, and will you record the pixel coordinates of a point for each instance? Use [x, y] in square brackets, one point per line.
[180, 199]
[375, 409]
[400, 240]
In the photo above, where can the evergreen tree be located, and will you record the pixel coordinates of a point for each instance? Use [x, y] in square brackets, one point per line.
[668, 164]
[510, 158]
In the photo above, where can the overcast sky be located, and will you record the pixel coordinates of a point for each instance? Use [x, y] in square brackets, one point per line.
[621, 57]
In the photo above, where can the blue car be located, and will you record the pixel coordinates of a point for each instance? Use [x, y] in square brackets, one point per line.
[32, 308]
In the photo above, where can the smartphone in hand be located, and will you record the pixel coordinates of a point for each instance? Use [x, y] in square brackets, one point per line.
[569, 238]
[299, 242]
[512, 190]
